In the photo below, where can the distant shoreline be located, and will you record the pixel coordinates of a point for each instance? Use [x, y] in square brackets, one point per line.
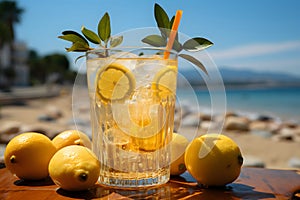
[279, 101]
[241, 78]
[248, 85]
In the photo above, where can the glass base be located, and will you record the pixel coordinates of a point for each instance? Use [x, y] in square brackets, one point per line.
[122, 180]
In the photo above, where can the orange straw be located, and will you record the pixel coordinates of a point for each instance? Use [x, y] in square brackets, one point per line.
[173, 33]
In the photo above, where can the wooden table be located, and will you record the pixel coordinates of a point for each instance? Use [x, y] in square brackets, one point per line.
[253, 183]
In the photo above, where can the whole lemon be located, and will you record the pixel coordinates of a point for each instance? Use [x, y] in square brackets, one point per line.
[213, 159]
[178, 146]
[28, 154]
[74, 168]
[71, 137]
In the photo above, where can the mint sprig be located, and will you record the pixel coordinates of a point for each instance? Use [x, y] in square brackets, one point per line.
[90, 35]
[103, 38]
[165, 24]
[104, 28]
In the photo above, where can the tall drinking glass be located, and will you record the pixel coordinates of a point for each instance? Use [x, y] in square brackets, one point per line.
[132, 102]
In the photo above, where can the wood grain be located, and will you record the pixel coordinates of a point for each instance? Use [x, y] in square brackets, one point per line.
[253, 183]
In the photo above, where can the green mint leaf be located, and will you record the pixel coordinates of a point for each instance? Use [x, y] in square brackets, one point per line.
[79, 58]
[172, 21]
[104, 30]
[155, 40]
[197, 44]
[171, 24]
[115, 41]
[90, 35]
[177, 46]
[162, 20]
[79, 47]
[161, 17]
[194, 61]
[73, 36]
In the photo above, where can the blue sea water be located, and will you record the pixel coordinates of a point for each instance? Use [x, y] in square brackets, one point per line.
[279, 102]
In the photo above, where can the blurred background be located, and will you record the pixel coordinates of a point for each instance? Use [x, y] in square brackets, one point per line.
[256, 50]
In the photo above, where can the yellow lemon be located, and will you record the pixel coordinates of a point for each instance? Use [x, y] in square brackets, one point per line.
[164, 81]
[114, 82]
[178, 146]
[74, 168]
[71, 137]
[213, 159]
[28, 154]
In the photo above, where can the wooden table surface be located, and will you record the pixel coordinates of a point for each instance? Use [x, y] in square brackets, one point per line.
[253, 183]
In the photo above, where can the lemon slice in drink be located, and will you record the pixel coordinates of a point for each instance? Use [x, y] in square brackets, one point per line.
[114, 83]
[165, 80]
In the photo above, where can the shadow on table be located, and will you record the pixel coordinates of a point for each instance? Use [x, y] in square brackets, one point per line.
[43, 182]
[247, 192]
[177, 188]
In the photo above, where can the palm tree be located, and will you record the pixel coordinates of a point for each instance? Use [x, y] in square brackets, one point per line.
[9, 15]
[4, 34]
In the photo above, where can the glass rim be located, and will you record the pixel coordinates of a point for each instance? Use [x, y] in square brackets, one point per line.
[172, 51]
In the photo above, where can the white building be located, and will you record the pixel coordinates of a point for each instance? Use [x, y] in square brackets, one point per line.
[20, 67]
[21, 54]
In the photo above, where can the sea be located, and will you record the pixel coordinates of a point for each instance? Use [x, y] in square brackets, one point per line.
[280, 103]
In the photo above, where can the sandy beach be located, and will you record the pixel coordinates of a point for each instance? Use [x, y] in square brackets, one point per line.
[260, 143]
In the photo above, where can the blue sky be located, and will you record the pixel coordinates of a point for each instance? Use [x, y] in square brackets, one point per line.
[263, 35]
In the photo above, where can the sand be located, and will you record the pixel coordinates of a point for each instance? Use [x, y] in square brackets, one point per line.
[274, 154]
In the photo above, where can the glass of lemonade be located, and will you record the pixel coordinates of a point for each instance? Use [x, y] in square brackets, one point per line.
[132, 101]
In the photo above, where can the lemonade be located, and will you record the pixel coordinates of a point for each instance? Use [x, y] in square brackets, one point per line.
[132, 100]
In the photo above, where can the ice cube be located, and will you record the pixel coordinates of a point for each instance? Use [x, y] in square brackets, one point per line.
[145, 71]
[126, 59]
[141, 116]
